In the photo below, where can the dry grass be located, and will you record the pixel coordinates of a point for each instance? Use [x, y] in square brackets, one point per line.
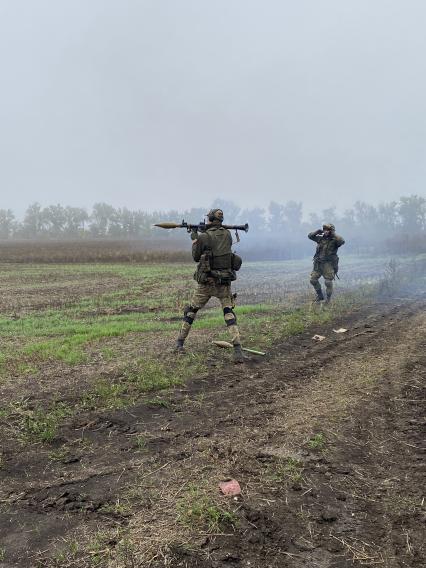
[362, 553]
[93, 251]
[160, 493]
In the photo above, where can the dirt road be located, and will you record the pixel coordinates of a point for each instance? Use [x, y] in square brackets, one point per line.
[326, 440]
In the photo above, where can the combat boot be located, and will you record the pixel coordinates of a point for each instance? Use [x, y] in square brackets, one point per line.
[319, 296]
[179, 348]
[328, 298]
[238, 354]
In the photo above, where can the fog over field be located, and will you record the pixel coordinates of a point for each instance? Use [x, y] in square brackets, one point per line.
[168, 105]
[265, 403]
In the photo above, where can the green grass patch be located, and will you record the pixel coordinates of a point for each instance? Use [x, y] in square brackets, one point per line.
[317, 442]
[106, 395]
[41, 425]
[268, 328]
[67, 555]
[144, 376]
[119, 507]
[59, 454]
[286, 471]
[140, 442]
[37, 425]
[58, 336]
[198, 511]
[150, 376]
[158, 402]
[108, 354]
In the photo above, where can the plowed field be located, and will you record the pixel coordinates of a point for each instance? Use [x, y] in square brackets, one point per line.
[326, 440]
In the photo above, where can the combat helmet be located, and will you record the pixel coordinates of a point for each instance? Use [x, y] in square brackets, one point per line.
[329, 227]
[215, 215]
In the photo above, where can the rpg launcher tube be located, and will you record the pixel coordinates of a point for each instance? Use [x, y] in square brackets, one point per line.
[200, 227]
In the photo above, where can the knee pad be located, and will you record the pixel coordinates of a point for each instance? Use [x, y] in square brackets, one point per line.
[230, 317]
[328, 284]
[189, 314]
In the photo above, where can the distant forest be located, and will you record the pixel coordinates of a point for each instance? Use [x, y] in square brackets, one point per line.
[279, 230]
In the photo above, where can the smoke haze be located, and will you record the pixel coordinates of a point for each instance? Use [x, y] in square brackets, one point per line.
[165, 104]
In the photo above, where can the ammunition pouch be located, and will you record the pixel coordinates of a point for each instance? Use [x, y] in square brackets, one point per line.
[222, 262]
[236, 262]
[218, 263]
[336, 264]
[333, 259]
[223, 277]
[203, 271]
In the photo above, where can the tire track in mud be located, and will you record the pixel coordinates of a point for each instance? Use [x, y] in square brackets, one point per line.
[368, 526]
[242, 424]
[303, 410]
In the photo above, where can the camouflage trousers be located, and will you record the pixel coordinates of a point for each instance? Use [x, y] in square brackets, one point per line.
[201, 296]
[325, 269]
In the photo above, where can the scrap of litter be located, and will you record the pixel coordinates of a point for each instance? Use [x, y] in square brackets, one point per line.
[230, 487]
[317, 337]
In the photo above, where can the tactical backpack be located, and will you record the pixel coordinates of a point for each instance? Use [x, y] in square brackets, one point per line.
[218, 262]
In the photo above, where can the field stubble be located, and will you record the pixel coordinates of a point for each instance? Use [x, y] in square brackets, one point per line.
[80, 342]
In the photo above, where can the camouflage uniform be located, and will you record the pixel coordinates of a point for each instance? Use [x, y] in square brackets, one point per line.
[199, 299]
[211, 286]
[325, 260]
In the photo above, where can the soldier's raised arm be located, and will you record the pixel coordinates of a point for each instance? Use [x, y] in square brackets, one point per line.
[315, 235]
[339, 240]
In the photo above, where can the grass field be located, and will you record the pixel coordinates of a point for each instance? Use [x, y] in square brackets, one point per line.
[94, 250]
[109, 314]
[81, 338]
[106, 332]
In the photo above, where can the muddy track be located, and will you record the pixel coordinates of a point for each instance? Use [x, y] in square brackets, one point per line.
[358, 499]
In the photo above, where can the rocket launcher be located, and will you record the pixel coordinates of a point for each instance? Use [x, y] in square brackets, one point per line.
[199, 226]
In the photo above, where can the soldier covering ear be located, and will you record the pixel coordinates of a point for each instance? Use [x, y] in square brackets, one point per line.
[326, 261]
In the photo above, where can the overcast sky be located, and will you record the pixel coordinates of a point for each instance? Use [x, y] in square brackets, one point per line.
[171, 103]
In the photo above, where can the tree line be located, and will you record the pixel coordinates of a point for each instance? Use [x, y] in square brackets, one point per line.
[407, 216]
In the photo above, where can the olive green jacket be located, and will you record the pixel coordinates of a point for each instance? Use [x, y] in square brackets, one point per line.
[326, 246]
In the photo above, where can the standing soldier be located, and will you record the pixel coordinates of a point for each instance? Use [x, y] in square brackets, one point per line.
[215, 272]
[326, 261]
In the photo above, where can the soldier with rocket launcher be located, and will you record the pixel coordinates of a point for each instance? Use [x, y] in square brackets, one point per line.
[216, 269]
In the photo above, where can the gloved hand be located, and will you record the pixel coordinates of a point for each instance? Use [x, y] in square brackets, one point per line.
[194, 235]
[318, 231]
